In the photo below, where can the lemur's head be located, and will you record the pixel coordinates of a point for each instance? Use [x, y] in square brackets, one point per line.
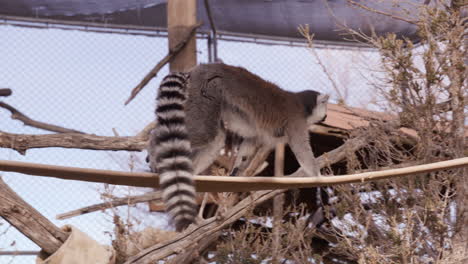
[315, 105]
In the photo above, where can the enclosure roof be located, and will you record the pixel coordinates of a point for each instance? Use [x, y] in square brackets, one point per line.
[277, 18]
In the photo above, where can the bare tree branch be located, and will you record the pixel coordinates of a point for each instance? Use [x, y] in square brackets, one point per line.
[17, 115]
[69, 138]
[130, 200]
[375, 11]
[79, 140]
[22, 142]
[305, 32]
[163, 62]
[5, 92]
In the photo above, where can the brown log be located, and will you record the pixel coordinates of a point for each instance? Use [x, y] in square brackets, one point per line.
[29, 221]
[23, 142]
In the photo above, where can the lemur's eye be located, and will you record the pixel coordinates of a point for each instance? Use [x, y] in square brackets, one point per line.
[244, 158]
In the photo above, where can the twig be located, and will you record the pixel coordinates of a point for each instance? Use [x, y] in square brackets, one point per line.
[5, 92]
[305, 32]
[19, 253]
[130, 200]
[364, 7]
[443, 107]
[17, 115]
[146, 131]
[172, 52]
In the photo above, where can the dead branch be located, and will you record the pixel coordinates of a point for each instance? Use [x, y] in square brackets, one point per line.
[130, 200]
[29, 221]
[69, 138]
[172, 52]
[305, 32]
[5, 92]
[22, 142]
[17, 115]
[154, 197]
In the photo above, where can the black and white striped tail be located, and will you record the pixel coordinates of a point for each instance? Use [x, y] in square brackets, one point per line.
[172, 151]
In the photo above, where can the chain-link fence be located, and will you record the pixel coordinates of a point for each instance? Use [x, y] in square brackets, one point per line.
[80, 80]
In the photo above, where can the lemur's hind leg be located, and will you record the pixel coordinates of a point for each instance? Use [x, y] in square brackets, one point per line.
[204, 156]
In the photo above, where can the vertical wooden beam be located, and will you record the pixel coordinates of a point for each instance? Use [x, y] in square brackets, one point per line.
[181, 15]
[278, 203]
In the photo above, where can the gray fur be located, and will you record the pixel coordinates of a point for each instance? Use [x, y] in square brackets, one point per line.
[255, 109]
[220, 97]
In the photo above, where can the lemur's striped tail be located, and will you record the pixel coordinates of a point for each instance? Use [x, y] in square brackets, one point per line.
[171, 153]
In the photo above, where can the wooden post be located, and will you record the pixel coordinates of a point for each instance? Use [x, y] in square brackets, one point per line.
[181, 15]
[278, 203]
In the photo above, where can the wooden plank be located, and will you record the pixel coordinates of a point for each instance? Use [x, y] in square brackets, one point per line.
[225, 183]
[181, 16]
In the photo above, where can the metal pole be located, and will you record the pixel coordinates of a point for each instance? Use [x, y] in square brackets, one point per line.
[213, 30]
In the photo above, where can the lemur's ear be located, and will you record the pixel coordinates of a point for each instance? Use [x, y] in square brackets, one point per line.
[323, 98]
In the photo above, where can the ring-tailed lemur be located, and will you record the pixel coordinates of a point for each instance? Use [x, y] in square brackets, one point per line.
[195, 109]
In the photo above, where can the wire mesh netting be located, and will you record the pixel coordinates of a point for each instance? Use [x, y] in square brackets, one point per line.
[80, 80]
